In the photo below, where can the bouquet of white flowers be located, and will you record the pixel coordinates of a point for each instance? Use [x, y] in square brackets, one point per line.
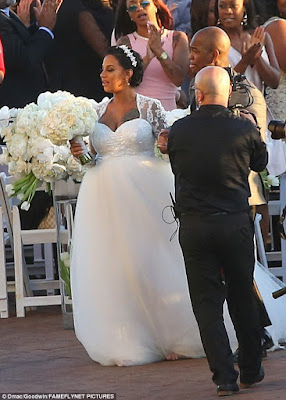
[37, 139]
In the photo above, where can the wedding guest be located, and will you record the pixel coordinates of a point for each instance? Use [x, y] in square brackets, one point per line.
[202, 14]
[252, 52]
[95, 25]
[146, 27]
[276, 28]
[64, 62]
[212, 192]
[24, 53]
[180, 10]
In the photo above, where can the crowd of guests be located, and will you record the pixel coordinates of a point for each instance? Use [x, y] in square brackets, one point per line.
[61, 46]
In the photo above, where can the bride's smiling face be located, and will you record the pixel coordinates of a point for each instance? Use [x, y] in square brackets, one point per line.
[113, 76]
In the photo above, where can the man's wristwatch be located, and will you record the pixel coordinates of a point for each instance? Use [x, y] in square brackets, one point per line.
[163, 56]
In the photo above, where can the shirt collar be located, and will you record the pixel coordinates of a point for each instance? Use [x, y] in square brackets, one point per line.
[6, 11]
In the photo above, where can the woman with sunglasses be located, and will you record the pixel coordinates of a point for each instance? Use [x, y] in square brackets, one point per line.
[146, 27]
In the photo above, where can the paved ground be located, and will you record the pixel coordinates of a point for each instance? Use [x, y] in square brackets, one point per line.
[38, 356]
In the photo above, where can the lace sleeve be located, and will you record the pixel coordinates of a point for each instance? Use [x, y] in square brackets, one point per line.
[102, 106]
[153, 111]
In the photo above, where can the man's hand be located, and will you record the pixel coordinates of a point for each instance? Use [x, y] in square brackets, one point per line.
[46, 14]
[162, 141]
[23, 11]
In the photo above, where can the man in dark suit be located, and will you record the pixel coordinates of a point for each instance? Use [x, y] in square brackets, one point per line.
[211, 152]
[24, 51]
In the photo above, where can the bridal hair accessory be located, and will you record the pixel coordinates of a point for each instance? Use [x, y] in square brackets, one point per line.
[129, 54]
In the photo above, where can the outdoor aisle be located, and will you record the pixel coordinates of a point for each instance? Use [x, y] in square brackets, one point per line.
[38, 356]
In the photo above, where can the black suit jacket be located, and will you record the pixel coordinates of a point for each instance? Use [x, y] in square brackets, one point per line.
[24, 51]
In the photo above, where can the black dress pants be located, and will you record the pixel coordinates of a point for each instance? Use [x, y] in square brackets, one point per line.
[212, 244]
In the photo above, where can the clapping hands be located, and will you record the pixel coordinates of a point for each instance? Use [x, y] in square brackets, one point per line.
[155, 41]
[23, 11]
[252, 48]
[46, 13]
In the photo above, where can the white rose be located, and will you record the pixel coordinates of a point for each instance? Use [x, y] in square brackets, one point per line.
[25, 206]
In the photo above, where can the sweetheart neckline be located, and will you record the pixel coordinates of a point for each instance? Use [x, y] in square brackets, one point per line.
[131, 120]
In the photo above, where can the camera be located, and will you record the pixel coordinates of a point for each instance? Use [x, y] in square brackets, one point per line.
[277, 129]
[241, 96]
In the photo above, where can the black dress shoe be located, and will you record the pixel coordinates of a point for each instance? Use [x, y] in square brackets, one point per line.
[246, 383]
[227, 389]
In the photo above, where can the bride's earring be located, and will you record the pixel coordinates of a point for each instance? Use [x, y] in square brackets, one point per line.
[218, 22]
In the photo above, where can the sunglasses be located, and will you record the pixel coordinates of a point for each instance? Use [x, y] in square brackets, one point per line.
[135, 7]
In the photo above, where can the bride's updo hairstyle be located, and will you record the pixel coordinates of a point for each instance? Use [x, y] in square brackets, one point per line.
[128, 59]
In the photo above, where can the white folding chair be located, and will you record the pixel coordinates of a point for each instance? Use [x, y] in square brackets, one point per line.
[4, 309]
[24, 237]
[24, 286]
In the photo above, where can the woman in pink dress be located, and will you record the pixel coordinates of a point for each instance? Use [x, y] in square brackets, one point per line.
[145, 26]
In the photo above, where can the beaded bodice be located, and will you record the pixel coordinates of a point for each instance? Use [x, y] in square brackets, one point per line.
[133, 137]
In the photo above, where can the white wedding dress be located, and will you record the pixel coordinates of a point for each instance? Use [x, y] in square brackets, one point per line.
[130, 296]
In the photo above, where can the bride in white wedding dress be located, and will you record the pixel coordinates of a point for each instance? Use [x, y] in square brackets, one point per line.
[130, 295]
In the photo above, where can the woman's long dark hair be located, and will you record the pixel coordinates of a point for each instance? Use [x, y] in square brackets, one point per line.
[252, 17]
[199, 15]
[272, 8]
[124, 25]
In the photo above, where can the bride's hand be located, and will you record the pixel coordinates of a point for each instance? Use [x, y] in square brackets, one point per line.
[76, 148]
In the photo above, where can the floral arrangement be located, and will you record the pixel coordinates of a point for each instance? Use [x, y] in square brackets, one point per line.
[37, 139]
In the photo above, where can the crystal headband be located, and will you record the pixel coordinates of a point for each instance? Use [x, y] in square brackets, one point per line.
[129, 54]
